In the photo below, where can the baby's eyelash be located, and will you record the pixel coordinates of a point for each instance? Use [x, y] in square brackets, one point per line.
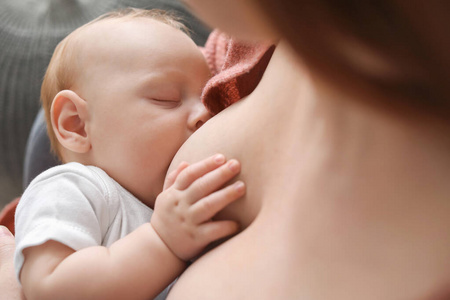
[168, 103]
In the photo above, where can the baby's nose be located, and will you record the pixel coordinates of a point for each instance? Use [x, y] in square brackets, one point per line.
[198, 117]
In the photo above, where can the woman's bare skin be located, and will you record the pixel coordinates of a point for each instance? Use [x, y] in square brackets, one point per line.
[344, 201]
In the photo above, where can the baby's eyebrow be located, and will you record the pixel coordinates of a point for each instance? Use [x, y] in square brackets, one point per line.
[160, 86]
[175, 77]
[170, 79]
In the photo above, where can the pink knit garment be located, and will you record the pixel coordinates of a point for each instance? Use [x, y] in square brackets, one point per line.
[237, 67]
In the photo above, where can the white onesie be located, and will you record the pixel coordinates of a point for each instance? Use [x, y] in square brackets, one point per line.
[78, 206]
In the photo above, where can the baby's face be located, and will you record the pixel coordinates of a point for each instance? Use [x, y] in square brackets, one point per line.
[142, 83]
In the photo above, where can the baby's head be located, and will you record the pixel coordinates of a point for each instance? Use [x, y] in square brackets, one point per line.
[123, 93]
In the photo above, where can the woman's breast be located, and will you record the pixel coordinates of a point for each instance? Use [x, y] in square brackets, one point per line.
[234, 134]
[261, 262]
[250, 133]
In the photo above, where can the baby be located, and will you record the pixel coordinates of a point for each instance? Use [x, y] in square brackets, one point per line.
[121, 95]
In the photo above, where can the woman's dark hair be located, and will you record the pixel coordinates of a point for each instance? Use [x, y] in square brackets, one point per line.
[397, 49]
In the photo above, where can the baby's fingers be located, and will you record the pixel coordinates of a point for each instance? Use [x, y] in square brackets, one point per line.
[216, 230]
[212, 181]
[197, 170]
[172, 176]
[206, 208]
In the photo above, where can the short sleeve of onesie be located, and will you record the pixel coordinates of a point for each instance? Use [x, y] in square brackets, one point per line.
[67, 204]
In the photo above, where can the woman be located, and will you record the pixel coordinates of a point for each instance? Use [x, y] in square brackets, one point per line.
[344, 150]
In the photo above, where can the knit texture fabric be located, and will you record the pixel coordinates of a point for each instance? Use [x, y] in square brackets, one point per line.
[236, 66]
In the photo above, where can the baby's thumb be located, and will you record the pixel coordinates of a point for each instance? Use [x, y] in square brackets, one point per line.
[172, 176]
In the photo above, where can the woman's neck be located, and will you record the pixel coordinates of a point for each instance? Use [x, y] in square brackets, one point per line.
[339, 140]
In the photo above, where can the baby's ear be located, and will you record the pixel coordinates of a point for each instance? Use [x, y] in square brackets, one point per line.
[68, 115]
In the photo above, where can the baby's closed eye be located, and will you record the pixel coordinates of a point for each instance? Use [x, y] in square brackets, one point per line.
[165, 102]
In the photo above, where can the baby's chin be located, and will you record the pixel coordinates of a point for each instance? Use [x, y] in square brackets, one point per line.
[148, 198]
[145, 191]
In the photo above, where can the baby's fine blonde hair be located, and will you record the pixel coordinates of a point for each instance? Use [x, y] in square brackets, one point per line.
[62, 70]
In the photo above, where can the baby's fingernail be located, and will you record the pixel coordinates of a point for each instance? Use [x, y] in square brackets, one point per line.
[233, 165]
[219, 158]
[239, 186]
[4, 231]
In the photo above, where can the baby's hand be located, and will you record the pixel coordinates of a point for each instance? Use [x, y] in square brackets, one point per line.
[193, 195]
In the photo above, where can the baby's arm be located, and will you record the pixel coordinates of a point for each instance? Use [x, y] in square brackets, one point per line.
[130, 269]
[184, 211]
[140, 265]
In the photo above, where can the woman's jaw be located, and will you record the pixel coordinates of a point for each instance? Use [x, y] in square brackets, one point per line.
[242, 19]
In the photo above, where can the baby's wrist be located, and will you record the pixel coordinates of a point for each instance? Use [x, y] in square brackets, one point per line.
[166, 246]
